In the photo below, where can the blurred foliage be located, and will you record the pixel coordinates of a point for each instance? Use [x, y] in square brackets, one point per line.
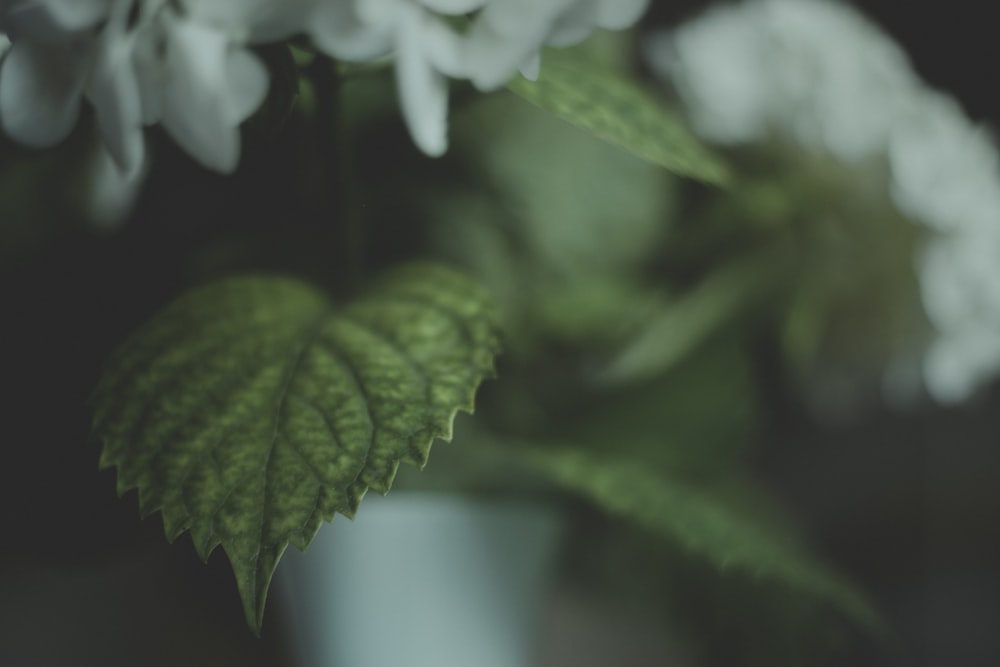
[723, 520]
[609, 106]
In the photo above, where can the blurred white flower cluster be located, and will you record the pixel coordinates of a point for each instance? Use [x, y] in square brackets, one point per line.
[186, 64]
[822, 75]
[945, 175]
[816, 70]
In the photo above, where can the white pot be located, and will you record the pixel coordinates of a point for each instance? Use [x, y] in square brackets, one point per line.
[422, 580]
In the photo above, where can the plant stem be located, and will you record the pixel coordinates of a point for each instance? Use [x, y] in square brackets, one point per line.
[338, 204]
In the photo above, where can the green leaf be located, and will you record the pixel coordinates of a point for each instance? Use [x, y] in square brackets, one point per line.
[695, 420]
[579, 205]
[727, 522]
[727, 293]
[620, 111]
[252, 409]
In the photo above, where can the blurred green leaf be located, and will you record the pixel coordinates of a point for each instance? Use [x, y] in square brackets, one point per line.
[731, 290]
[573, 203]
[620, 111]
[559, 224]
[696, 420]
[728, 522]
[250, 410]
[592, 310]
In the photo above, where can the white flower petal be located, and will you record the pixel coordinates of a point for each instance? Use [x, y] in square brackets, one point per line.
[111, 194]
[816, 72]
[247, 82]
[619, 14]
[578, 21]
[51, 22]
[529, 20]
[40, 88]
[381, 12]
[492, 58]
[423, 92]
[453, 7]
[957, 365]
[944, 168]
[946, 299]
[338, 31]
[199, 108]
[256, 21]
[716, 63]
[532, 67]
[114, 91]
[152, 78]
[77, 14]
[574, 25]
[442, 46]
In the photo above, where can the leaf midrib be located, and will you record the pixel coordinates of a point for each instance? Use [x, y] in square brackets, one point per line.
[312, 332]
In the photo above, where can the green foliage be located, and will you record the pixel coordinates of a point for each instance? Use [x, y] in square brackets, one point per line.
[578, 205]
[727, 521]
[558, 224]
[680, 326]
[618, 110]
[250, 410]
[696, 421]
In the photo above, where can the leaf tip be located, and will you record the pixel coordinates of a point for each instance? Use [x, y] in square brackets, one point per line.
[253, 579]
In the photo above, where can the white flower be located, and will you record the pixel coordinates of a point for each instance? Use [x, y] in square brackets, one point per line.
[138, 62]
[945, 169]
[508, 34]
[945, 176]
[960, 280]
[198, 86]
[110, 195]
[504, 35]
[818, 73]
[44, 72]
[717, 64]
[184, 63]
[53, 15]
[814, 71]
[959, 364]
[427, 53]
